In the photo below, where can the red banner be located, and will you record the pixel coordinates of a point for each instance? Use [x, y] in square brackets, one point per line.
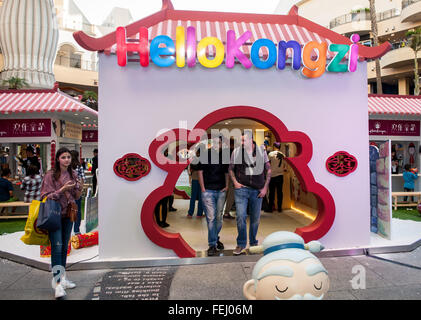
[90, 136]
[17, 128]
[394, 128]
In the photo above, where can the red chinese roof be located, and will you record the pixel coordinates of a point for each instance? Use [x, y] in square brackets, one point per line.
[15, 101]
[215, 24]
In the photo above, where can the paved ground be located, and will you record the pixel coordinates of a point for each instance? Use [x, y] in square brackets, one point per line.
[384, 280]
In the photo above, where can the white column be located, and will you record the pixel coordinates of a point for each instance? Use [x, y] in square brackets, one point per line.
[28, 39]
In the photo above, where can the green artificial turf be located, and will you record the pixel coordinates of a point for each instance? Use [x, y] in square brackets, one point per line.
[404, 214]
[11, 226]
[185, 188]
[16, 225]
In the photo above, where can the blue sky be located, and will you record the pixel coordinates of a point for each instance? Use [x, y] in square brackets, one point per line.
[97, 10]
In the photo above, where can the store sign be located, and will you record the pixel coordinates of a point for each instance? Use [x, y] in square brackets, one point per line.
[24, 128]
[66, 129]
[394, 128]
[90, 136]
[164, 52]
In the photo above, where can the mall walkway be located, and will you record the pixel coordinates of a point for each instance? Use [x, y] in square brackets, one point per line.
[384, 279]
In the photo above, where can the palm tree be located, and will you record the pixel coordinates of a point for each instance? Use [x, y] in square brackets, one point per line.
[414, 39]
[15, 83]
[374, 31]
[90, 98]
[90, 94]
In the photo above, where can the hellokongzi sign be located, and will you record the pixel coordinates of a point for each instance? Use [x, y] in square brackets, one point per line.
[164, 52]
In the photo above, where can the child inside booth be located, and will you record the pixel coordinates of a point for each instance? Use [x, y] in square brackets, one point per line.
[6, 189]
[409, 176]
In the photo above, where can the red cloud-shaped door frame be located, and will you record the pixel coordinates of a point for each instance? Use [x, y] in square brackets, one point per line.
[299, 163]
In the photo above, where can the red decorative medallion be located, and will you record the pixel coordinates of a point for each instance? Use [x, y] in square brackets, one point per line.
[132, 167]
[341, 164]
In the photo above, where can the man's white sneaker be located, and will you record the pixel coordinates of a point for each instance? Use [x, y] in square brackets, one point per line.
[67, 284]
[60, 293]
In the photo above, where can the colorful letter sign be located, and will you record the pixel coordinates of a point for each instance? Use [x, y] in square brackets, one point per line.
[163, 52]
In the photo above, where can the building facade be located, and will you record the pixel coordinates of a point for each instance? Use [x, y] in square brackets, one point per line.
[76, 69]
[394, 19]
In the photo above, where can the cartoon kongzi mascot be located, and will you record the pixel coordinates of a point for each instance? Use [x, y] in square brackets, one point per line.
[288, 270]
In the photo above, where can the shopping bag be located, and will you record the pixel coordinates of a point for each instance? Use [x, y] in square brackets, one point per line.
[49, 216]
[34, 236]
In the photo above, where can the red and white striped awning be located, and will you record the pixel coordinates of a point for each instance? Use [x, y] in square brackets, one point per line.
[218, 29]
[393, 104]
[40, 101]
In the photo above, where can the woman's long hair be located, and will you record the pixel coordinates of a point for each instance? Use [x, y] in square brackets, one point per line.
[57, 171]
[75, 159]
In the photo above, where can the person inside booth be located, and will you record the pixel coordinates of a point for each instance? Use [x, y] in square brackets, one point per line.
[161, 212]
[6, 189]
[31, 159]
[409, 176]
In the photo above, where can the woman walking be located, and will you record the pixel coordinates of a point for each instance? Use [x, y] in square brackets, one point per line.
[81, 176]
[62, 185]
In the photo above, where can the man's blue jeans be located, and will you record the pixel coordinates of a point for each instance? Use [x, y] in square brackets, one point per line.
[59, 243]
[246, 198]
[196, 194]
[213, 205]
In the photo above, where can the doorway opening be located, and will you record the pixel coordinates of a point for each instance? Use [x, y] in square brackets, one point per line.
[311, 204]
[298, 208]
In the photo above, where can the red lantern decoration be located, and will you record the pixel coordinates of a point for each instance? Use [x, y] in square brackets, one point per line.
[53, 153]
[341, 164]
[85, 240]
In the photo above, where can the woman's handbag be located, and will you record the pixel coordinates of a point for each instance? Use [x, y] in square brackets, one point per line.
[72, 211]
[49, 216]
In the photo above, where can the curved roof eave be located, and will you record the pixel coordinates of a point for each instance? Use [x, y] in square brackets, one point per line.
[167, 12]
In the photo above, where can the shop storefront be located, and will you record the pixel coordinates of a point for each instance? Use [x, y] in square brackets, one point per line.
[43, 119]
[397, 118]
[203, 68]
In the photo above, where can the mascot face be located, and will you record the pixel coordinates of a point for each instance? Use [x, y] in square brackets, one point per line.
[288, 280]
[288, 270]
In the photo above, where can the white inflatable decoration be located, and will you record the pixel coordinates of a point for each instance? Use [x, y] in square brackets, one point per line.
[288, 270]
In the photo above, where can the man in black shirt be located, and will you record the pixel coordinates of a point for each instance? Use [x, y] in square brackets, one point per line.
[213, 180]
